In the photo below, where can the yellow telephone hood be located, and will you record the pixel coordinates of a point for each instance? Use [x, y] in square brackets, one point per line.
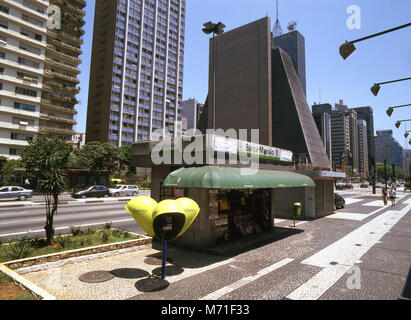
[190, 210]
[141, 209]
[167, 206]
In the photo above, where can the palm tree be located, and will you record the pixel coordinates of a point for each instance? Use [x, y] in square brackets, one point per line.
[46, 160]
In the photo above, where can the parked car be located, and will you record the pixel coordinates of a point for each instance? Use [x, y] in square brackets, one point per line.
[339, 186]
[364, 185]
[124, 190]
[15, 193]
[348, 186]
[94, 191]
[339, 201]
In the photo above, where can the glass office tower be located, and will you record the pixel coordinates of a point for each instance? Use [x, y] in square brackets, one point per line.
[293, 43]
[136, 78]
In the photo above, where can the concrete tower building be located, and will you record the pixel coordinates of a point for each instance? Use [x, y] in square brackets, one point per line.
[136, 72]
[363, 148]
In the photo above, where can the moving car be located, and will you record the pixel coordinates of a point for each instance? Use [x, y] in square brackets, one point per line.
[121, 190]
[15, 193]
[94, 191]
[339, 201]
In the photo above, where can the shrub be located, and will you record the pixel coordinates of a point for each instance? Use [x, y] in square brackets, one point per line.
[75, 231]
[64, 242]
[91, 230]
[107, 226]
[146, 184]
[106, 236]
[19, 249]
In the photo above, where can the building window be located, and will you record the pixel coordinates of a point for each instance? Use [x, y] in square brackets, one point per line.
[26, 92]
[25, 107]
[21, 136]
[4, 9]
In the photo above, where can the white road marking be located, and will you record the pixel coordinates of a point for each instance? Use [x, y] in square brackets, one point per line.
[63, 228]
[347, 216]
[353, 216]
[378, 203]
[351, 201]
[345, 252]
[19, 222]
[245, 281]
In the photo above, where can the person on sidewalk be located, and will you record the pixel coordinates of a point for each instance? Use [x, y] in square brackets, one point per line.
[384, 196]
[393, 195]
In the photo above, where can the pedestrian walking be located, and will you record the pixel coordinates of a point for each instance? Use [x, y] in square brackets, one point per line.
[384, 196]
[393, 195]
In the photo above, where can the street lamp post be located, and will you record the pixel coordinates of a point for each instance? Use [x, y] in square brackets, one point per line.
[390, 110]
[377, 86]
[347, 48]
[215, 29]
[398, 123]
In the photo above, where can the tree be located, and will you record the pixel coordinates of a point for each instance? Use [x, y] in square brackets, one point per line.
[46, 159]
[102, 156]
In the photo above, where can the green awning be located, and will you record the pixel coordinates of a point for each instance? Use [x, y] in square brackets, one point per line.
[213, 177]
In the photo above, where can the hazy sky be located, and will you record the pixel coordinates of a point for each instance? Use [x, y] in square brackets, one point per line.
[323, 23]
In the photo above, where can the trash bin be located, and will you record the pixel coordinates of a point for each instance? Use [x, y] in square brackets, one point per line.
[297, 209]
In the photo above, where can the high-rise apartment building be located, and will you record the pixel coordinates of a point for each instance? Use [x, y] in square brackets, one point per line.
[61, 70]
[39, 68]
[136, 77]
[293, 43]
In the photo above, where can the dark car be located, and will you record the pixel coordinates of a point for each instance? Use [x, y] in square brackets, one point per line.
[339, 186]
[364, 185]
[348, 186]
[339, 201]
[92, 192]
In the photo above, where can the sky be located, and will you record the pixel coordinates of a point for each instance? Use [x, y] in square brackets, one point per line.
[323, 23]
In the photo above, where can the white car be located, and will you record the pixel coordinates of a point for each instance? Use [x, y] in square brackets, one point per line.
[15, 193]
[122, 190]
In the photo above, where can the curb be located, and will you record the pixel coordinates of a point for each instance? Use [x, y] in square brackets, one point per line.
[64, 255]
[21, 281]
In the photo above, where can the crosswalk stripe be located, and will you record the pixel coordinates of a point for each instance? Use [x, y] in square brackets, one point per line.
[245, 281]
[342, 255]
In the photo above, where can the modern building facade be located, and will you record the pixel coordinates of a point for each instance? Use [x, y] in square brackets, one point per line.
[323, 121]
[363, 148]
[39, 68]
[367, 114]
[191, 111]
[387, 148]
[257, 87]
[293, 43]
[340, 134]
[136, 72]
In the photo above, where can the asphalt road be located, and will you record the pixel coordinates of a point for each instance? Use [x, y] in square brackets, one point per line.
[27, 219]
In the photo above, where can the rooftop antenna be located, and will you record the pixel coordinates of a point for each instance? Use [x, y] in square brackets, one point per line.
[277, 31]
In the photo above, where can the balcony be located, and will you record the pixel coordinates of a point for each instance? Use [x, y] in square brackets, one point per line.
[65, 36]
[45, 116]
[62, 65]
[52, 74]
[51, 105]
[44, 129]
